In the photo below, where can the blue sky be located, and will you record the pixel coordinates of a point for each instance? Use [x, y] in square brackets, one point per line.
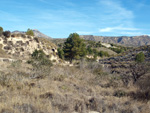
[59, 18]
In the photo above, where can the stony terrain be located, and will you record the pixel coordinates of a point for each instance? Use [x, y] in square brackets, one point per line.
[22, 46]
[37, 33]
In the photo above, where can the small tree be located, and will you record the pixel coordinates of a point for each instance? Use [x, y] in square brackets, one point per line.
[1, 31]
[30, 32]
[140, 57]
[74, 47]
[7, 33]
[60, 53]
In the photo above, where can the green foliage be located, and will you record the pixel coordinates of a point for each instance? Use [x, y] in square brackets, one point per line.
[1, 31]
[117, 50]
[30, 32]
[74, 47]
[103, 53]
[60, 53]
[98, 44]
[89, 50]
[39, 58]
[140, 57]
[93, 44]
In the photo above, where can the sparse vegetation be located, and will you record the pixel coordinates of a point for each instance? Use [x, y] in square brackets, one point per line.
[140, 57]
[39, 58]
[30, 32]
[113, 84]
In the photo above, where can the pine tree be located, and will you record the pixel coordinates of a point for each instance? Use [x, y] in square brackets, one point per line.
[74, 47]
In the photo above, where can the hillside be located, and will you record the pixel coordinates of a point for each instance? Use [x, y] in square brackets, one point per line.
[89, 87]
[123, 40]
[21, 46]
[123, 64]
[116, 83]
[36, 32]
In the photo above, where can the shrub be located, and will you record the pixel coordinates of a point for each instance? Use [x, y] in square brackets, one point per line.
[4, 79]
[103, 53]
[119, 93]
[140, 57]
[39, 58]
[60, 53]
[7, 33]
[117, 50]
[89, 50]
[1, 31]
[30, 32]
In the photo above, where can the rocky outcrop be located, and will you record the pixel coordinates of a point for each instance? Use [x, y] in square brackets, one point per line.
[21, 45]
[36, 32]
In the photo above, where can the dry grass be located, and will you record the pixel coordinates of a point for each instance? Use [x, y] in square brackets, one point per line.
[64, 90]
[2, 52]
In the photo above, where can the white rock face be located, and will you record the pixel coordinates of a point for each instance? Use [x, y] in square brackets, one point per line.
[106, 45]
[23, 46]
[93, 112]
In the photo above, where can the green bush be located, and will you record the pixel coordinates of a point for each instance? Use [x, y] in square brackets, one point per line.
[117, 50]
[140, 57]
[30, 32]
[60, 53]
[89, 50]
[39, 58]
[1, 31]
[103, 53]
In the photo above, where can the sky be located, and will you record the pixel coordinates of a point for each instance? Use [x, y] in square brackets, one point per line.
[59, 18]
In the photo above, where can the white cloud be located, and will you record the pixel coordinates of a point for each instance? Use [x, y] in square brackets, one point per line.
[118, 18]
[118, 28]
[114, 14]
[131, 33]
[116, 10]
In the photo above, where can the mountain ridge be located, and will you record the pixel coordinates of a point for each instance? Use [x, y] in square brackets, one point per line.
[123, 40]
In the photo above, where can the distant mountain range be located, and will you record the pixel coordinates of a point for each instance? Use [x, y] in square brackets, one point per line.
[123, 40]
[36, 33]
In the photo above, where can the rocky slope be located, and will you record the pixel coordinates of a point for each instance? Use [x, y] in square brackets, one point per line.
[37, 33]
[124, 40]
[22, 46]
